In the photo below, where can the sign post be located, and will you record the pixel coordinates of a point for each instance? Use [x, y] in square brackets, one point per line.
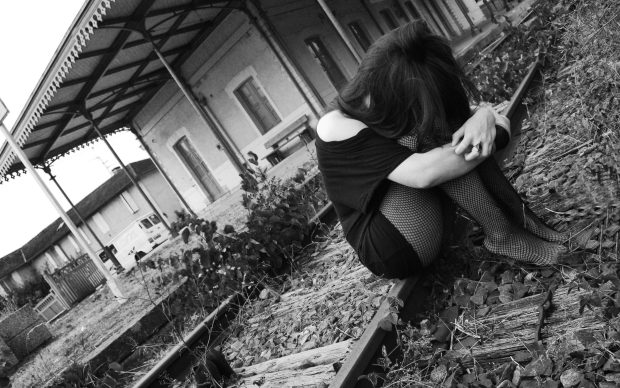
[111, 281]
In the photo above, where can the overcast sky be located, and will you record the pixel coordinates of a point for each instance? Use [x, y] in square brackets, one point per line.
[30, 32]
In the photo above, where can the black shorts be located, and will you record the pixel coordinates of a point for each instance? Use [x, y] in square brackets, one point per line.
[385, 252]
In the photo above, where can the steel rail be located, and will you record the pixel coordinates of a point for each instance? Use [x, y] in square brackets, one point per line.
[365, 349]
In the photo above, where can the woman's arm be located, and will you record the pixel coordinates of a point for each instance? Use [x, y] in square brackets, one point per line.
[428, 169]
[441, 164]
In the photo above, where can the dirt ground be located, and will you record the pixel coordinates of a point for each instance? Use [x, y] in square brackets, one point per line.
[90, 323]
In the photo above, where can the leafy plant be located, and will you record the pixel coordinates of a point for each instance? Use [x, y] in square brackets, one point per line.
[279, 214]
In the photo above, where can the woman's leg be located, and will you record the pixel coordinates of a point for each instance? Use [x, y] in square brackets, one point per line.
[512, 204]
[417, 215]
[502, 236]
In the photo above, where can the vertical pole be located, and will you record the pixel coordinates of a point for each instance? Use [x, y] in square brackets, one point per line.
[112, 284]
[230, 149]
[339, 29]
[108, 253]
[162, 172]
[129, 173]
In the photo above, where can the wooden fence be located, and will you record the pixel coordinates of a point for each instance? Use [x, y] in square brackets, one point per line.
[51, 307]
[75, 281]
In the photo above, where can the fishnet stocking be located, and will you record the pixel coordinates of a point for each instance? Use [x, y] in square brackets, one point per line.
[418, 217]
[512, 204]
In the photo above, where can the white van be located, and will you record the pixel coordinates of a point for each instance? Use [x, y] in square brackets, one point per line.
[142, 235]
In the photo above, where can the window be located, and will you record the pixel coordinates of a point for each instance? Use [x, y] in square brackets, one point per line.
[129, 202]
[399, 11]
[198, 168]
[145, 224]
[360, 35]
[388, 18]
[414, 12]
[101, 224]
[256, 105]
[327, 62]
[154, 219]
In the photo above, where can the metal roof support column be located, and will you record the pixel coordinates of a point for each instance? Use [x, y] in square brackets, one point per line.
[133, 179]
[107, 251]
[274, 47]
[339, 29]
[229, 147]
[162, 172]
[111, 281]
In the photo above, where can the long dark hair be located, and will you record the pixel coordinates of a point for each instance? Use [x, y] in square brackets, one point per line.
[413, 82]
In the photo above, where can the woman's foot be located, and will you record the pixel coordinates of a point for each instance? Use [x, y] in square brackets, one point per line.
[523, 246]
[545, 232]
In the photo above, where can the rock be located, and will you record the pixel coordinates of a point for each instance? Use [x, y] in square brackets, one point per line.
[450, 382]
[439, 374]
[570, 377]
[517, 375]
[613, 377]
[236, 346]
[308, 345]
[529, 384]
[612, 366]
[541, 366]
[264, 294]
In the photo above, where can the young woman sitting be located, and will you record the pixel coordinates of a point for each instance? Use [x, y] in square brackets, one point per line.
[402, 139]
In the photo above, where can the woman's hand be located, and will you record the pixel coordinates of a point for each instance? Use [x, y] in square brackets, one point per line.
[477, 135]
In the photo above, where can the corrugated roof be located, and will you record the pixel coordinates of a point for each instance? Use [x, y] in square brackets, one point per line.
[87, 207]
[106, 66]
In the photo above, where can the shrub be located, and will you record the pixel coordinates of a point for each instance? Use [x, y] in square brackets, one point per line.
[279, 213]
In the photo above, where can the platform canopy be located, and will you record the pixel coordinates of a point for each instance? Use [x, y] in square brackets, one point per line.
[106, 66]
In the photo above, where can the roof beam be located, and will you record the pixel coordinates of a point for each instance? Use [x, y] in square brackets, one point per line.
[108, 128]
[146, 61]
[156, 12]
[141, 41]
[101, 68]
[156, 75]
[152, 56]
[82, 126]
[125, 96]
[120, 68]
[180, 60]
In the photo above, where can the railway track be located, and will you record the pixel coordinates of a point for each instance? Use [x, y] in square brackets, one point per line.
[338, 363]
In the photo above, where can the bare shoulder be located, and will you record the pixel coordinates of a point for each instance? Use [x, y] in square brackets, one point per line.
[335, 126]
